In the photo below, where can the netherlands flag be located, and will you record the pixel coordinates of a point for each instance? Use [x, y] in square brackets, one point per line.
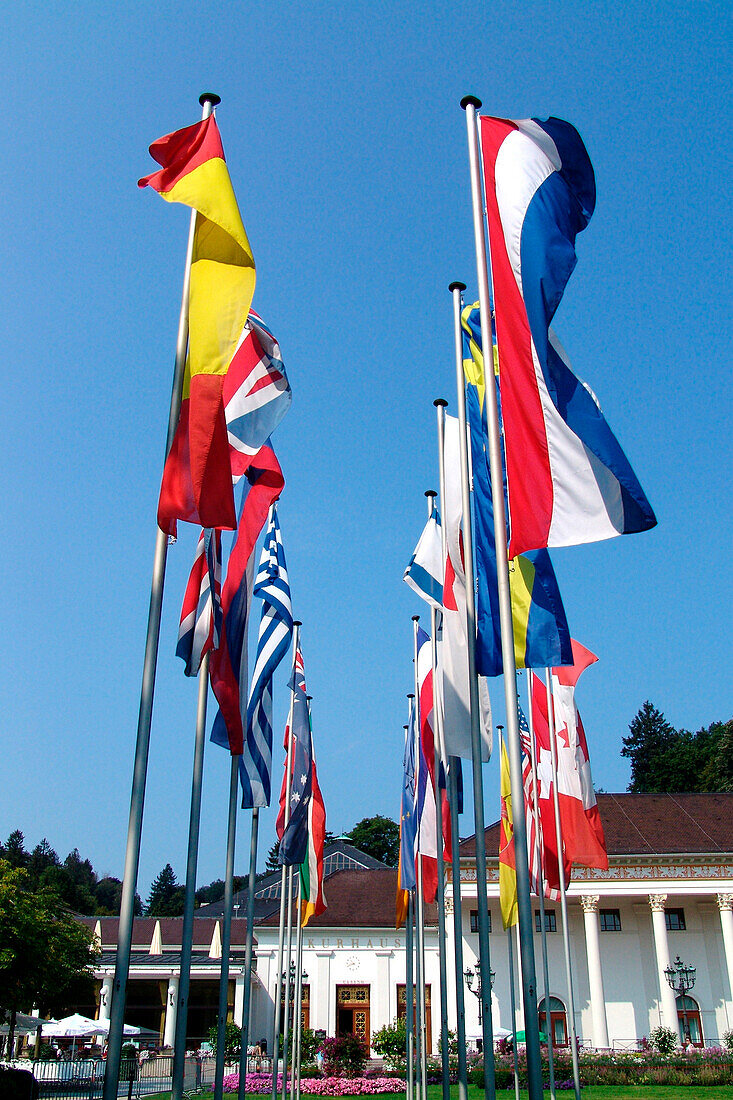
[200, 615]
[569, 481]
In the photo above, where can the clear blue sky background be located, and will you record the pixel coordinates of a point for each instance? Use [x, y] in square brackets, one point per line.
[347, 148]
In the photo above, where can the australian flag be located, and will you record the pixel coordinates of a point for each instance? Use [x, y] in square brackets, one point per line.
[294, 843]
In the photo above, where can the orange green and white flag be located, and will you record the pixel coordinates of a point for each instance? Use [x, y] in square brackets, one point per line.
[197, 479]
[507, 866]
[312, 897]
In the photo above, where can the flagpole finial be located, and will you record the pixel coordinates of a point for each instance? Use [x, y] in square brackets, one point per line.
[209, 97]
[457, 286]
[470, 100]
[297, 622]
[416, 618]
[440, 403]
[411, 695]
[430, 493]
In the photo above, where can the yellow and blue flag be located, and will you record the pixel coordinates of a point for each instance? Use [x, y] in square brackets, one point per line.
[541, 633]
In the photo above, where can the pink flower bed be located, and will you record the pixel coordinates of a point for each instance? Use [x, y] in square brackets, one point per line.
[261, 1084]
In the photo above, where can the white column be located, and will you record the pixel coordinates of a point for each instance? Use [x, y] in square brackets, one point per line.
[321, 994]
[238, 1000]
[595, 973]
[105, 997]
[667, 997]
[381, 1016]
[171, 1009]
[725, 904]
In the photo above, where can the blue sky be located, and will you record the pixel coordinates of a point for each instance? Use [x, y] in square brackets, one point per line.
[347, 149]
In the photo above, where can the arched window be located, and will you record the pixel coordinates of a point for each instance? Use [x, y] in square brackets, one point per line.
[689, 1008]
[558, 1021]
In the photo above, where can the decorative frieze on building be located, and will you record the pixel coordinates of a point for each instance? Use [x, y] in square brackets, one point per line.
[618, 872]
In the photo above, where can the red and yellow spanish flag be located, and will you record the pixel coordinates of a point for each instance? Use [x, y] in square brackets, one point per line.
[507, 866]
[197, 479]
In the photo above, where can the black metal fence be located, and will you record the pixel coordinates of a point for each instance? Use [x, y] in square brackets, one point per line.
[142, 1076]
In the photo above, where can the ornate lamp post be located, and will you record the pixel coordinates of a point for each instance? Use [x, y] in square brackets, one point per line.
[681, 979]
[474, 975]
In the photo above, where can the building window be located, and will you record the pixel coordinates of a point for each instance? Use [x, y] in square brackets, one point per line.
[474, 920]
[550, 921]
[675, 920]
[610, 920]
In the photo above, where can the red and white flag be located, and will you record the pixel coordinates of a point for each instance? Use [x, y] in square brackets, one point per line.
[582, 831]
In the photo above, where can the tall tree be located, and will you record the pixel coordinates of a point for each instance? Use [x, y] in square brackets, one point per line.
[166, 895]
[379, 837]
[649, 739]
[45, 954]
[13, 850]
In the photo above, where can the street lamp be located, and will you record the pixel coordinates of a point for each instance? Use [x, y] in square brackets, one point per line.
[681, 979]
[474, 975]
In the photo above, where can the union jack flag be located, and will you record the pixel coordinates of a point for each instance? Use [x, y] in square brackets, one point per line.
[199, 628]
[256, 393]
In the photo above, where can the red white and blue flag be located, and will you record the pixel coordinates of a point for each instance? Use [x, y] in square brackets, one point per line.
[200, 624]
[425, 802]
[228, 664]
[568, 480]
[256, 393]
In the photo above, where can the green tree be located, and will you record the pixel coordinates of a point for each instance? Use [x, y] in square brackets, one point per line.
[42, 857]
[717, 771]
[378, 837]
[232, 1040]
[650, 738]
[13, 850]
[46, 956]
[389, 1041]
[166, 895]
[666, 759]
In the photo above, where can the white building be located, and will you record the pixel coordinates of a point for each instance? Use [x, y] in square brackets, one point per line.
[668, 891]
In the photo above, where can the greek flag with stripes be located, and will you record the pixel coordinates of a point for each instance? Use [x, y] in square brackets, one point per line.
[276, 629]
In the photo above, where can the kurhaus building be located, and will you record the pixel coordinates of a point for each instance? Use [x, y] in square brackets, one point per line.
[668, 891]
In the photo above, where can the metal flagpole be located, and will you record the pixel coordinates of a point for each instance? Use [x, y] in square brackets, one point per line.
[420, 894]
[139, 778]
[563, 895]
[247, 1000]
[298, 1001]
[283, 876]
[288, 957]
[541, 884]
[409, 997]
[453, 765]
[513, 1002]
[226, 934]
[440, 897]
[529, 983]
[478, 779]
[184, 985]
[419, 983]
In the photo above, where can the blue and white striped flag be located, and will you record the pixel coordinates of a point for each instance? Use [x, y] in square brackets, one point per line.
[276, 629]
[425, 572]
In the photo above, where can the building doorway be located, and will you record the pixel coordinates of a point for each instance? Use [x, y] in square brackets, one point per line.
[558, 1021]
[402, 1012]
[352, 1012]
[688, 1006]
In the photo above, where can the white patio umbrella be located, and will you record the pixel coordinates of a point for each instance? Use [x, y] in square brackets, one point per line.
[75, 1026]
[24, 1025]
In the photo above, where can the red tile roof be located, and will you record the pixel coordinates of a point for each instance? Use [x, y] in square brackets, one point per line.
[653, 824]
[360, 899]
[170, 931]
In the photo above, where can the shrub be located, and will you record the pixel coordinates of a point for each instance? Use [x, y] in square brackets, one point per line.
[728, 1040]
[308, 1046]
[663, 1039]
[343, 1056]
[232, 1039]
[390, 1041]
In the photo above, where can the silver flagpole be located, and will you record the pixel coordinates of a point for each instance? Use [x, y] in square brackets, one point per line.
[409, 996]
[283, 877]
[184, 985]
[440, 897]
[139, 778]
[420, 892]
[286, 971]
[419, 983]
[541, 884]
[529, 983]
[226, 935]
[563, 895]
[453, 765]
[247, 1000]
[478, 779]
[514, 1010]
[298, 1001]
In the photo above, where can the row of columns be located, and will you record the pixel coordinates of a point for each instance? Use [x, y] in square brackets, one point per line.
[668, 1003]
